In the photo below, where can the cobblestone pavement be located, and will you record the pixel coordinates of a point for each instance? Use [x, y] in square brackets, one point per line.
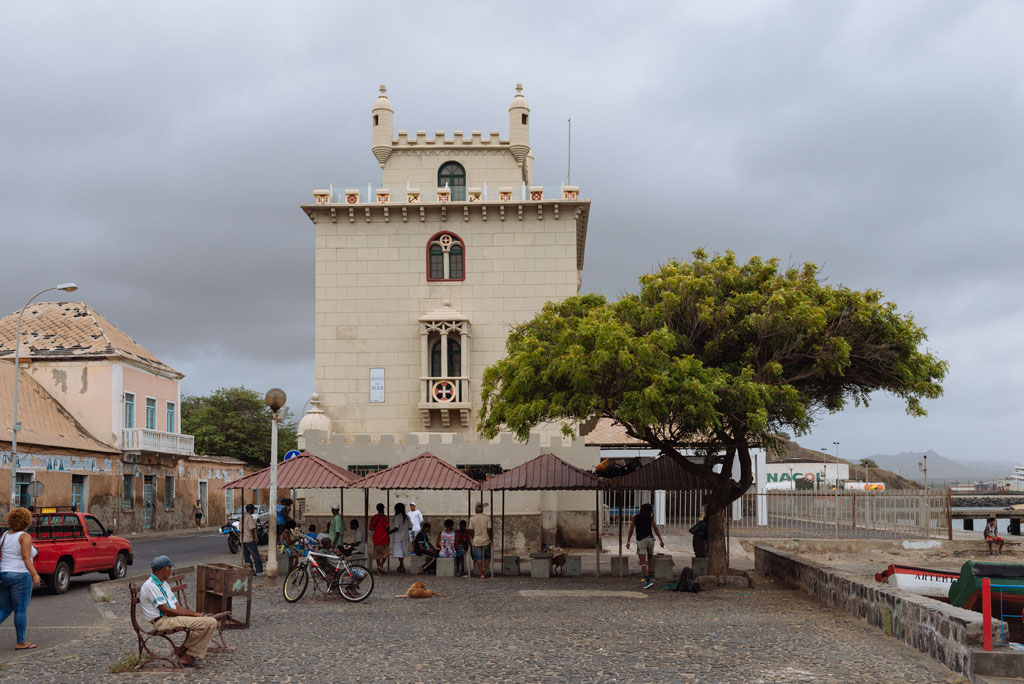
[487, 632]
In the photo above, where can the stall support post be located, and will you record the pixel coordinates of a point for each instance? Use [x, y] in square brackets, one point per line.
[493, 531]
[619, 500]
[597, 531]
[502, 530]
[387, 515]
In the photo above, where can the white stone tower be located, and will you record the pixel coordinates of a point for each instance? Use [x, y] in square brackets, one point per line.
[383, 126]
[519, 130]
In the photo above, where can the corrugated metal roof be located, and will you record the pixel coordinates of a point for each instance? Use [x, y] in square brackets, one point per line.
[547, 471]
[661, 473]
[305, 471]
[425, 471]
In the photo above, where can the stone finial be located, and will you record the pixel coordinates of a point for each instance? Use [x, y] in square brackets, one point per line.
[383, 89]
[519, 88]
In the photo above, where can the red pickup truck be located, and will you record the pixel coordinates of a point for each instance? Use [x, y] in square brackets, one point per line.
[74, 544]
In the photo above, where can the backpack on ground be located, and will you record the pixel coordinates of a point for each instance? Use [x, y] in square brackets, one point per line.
[688, 581]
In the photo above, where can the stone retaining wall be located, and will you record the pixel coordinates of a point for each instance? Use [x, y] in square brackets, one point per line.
[944, 632]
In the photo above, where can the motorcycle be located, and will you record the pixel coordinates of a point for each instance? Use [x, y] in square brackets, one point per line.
[234, 534]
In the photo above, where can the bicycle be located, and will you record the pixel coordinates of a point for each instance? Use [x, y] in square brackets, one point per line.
[335, 571]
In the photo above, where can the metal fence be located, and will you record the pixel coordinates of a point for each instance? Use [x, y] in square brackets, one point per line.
[843, 514]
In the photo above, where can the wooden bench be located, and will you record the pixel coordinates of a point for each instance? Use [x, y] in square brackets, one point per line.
[146, 631]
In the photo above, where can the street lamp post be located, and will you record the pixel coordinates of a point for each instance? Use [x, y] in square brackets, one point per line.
[275, 399]
[15, 426]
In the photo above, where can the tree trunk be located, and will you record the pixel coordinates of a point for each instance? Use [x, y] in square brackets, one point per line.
[718, 558]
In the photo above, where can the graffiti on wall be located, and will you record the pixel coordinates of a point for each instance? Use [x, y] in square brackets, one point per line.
[60, 464]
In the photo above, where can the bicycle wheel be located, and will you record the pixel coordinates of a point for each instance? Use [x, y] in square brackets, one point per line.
[295, 584]
[355, 584]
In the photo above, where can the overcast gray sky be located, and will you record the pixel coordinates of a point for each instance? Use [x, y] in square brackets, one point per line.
[156, 154]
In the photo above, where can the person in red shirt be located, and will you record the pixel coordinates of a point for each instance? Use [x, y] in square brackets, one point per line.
[462, 538]
[381, 538]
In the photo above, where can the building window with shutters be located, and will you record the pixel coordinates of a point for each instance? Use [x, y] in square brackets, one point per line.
[128, 492]
[169, 492]
[446, 257]
[129, 410]
[171, 417]
[150, 413]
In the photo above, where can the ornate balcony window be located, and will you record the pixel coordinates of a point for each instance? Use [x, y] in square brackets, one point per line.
[444, 375]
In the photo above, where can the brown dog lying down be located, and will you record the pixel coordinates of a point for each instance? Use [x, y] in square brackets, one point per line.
[419, 590]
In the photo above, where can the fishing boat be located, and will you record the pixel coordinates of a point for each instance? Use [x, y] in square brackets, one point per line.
[1007, 581]
[923, 581]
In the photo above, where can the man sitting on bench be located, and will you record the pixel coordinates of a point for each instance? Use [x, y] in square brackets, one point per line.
[159, 606]
[426, 549]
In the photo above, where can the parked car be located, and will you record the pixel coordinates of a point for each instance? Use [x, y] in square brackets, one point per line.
[72, 543]
[262, 514]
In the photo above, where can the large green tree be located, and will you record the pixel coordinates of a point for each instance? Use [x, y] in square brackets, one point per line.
[712, 354]
[235, 421]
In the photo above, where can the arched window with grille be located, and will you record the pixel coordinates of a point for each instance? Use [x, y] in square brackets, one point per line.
[454, 360]
[446, 257]
[453, 175]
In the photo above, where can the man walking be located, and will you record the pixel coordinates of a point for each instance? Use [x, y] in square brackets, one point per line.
[160, 607]
[337, 529]
[250, 541]
[646, 528]
[480, 526]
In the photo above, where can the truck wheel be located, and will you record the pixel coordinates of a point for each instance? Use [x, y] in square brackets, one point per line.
[61, 578]
[120, 568]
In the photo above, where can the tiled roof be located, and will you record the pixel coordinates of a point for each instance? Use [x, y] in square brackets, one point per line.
[72, 330]
[425, 471]
[547, 471]
[608, 433]
[305, 471]
[44, 421]
[611, 435]
[661, 473]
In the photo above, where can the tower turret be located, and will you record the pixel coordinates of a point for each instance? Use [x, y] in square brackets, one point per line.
[383, 127]
[519, 127]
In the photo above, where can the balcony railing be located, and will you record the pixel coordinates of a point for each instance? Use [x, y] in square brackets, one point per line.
[140, 439]
[444, 392]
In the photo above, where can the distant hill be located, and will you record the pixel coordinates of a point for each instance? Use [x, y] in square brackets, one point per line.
[941, 468]
[791, 449]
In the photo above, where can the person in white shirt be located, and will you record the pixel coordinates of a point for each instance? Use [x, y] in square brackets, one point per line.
[160, 606]
[416, 519]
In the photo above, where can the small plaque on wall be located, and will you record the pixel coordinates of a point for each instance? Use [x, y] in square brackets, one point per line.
[376, 385]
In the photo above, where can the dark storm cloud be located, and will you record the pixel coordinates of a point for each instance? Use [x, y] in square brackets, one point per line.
[157, 154]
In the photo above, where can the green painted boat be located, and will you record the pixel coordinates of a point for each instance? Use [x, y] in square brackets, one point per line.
[966, 591]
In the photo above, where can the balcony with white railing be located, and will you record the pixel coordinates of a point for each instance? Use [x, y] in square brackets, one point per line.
[141, 439]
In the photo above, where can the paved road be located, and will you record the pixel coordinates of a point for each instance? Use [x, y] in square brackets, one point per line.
[182, 550]
[54, 620]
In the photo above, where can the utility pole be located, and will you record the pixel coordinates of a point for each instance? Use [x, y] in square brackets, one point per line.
[275, 399]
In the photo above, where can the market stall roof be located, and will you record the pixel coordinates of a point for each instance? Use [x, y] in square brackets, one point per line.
[547, 471]
[425, 471]
[305, 471]
[661, 473]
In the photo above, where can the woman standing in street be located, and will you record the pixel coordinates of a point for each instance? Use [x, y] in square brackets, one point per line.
[197, 510]
[17, 573]
[400, 528]
[381, 539]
